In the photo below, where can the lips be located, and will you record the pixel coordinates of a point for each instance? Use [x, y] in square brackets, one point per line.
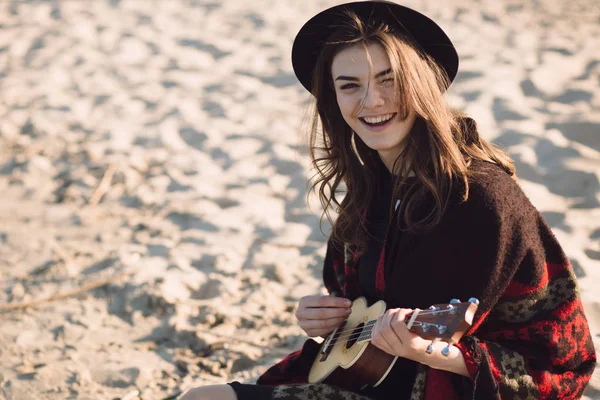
[379, 120]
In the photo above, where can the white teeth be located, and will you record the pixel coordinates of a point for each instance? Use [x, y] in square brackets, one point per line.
[376, 120]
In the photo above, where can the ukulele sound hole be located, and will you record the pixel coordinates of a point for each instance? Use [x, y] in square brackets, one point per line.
[355, 335]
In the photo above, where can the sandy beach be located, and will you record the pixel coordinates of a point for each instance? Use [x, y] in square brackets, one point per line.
[155, 232]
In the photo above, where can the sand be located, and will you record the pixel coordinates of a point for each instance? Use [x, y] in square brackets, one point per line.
[153, 178]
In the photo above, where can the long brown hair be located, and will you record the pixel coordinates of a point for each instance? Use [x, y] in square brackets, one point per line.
[441, 144]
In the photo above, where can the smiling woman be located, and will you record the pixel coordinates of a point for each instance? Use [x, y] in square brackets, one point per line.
[431, 211]
[368, 100]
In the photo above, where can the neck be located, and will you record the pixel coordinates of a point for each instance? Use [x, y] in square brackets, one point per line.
[388, 157]
[389, 160]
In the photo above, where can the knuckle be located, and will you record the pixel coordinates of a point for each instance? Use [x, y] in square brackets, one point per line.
[306, 299]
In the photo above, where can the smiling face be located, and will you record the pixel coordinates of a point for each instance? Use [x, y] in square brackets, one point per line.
[368, 99]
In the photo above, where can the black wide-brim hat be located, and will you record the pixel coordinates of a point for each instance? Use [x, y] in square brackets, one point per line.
[312, 37]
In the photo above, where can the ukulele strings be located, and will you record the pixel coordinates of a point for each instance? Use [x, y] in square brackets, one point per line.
[348, 333]
[366, 330]
[351, 334]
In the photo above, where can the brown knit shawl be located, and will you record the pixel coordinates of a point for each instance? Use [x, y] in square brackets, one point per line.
[530, 338]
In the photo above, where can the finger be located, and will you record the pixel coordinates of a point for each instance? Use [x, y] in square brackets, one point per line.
[387, 329]
[386, 321]
[322, 313]
[325, 301]
[313, 329]
[378, 339]
[321, 324]
[413, 344]
[398, 323]
[404, 312]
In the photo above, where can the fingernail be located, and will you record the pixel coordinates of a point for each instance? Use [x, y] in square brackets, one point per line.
[348, 303]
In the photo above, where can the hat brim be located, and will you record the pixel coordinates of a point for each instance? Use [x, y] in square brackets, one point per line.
[311, 38]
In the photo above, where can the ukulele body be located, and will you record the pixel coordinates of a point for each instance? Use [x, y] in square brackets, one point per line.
[347, 361]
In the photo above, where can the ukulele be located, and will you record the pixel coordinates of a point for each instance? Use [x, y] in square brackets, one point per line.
[348, 360]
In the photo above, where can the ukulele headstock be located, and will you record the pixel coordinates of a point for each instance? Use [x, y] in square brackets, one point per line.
[446, 322]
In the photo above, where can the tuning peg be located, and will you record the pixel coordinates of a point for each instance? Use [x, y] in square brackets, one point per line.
[452, 308]
[474, 301]
[455, 301]
[446, 350]
[430, 347]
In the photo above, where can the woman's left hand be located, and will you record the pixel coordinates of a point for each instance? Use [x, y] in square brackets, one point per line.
[391, 335]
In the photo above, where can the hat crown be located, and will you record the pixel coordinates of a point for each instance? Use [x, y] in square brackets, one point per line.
[423, 31]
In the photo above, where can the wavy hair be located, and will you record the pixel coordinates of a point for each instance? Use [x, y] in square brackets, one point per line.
[440, 148]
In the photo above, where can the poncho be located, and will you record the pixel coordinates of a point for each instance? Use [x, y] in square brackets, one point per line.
[530, 338]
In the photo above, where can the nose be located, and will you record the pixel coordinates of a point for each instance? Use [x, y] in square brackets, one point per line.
[373, 97]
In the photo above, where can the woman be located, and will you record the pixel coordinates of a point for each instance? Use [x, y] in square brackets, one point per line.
[431, 212]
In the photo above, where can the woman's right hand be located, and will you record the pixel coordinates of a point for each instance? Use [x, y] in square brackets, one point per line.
[319, 315]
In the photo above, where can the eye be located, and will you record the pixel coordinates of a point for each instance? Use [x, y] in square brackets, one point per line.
[348, 86]
[387, 81]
